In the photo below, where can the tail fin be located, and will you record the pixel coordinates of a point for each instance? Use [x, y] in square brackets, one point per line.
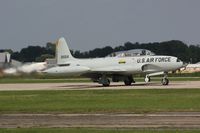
[62, 52]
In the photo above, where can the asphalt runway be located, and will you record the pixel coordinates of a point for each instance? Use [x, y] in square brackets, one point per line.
[95, 86]
[158, 120]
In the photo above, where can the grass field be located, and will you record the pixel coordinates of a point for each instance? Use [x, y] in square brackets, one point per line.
[100, 101]
[77, 80]
[85, 130]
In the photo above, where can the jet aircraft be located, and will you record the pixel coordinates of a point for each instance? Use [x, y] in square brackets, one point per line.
[117, 67]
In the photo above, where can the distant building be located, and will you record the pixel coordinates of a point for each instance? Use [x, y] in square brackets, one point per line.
[5, 60]
[191, 68]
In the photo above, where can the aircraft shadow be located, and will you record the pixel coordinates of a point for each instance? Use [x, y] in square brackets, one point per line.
[93, 86]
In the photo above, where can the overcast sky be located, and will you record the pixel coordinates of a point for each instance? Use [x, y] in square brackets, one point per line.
[87, 24]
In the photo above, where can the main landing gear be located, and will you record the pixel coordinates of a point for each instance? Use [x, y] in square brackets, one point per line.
[128, 80]
[147, 79]
[104, 81]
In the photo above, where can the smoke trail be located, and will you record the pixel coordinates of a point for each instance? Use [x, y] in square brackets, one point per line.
[27, 68]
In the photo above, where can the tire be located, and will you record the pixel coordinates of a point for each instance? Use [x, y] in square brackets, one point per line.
[165, 81]
[127, 82]
[107, 83]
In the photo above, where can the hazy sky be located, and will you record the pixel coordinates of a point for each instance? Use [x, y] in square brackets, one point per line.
[87, 24]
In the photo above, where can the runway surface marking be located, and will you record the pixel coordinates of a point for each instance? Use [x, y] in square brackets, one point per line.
[157, 120]
[95, 86]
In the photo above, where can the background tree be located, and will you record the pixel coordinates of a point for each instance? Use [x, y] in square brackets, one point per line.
[51, 48]
[43, 57]
[187, 53]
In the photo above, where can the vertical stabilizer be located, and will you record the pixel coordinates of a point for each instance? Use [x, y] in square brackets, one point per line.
[63, 52]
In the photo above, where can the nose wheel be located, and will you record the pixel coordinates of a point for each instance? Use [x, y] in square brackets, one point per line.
[165, 81]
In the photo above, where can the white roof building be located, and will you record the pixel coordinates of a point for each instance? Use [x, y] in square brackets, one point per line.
[5, 57]
[5, 60]
[190, 68]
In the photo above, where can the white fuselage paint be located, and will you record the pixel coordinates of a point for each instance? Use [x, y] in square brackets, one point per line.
[130, 65]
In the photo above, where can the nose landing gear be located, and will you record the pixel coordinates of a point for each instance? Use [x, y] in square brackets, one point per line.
[147, 79]
[165, 80]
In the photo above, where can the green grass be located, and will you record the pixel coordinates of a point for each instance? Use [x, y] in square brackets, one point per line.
[100, 101]
[85, 130]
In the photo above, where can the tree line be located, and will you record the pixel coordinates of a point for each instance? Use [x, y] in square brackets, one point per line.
[187, 53]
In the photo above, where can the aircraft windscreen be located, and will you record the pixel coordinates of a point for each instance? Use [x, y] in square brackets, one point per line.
[132, 53]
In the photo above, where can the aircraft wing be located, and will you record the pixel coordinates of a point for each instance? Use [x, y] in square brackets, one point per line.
[122, 69]
[109, 70]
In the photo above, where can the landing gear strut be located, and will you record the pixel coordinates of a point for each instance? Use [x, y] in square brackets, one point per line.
[147, 79]
[164, 81]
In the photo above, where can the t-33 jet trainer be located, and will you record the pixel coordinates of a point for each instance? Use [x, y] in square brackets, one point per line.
[119, 66]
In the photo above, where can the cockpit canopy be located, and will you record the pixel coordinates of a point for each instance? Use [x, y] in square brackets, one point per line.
[131, 53]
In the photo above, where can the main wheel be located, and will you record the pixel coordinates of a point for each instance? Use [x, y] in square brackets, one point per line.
[165, 81]
[128, 81]
[107, 83]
